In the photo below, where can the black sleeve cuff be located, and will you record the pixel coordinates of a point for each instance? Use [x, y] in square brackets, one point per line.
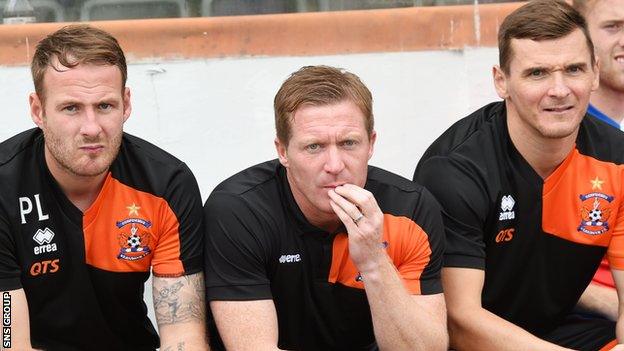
[239, 293]
[8, 284]
[461, 261]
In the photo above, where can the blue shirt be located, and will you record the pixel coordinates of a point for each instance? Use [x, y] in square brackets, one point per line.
[601, 116]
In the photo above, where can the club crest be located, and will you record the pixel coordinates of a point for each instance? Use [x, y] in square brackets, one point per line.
[595, 213]
[134, 237]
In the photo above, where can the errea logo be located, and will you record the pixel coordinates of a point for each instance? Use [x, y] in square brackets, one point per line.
[290, 258]
[507, 204]
[44, 239]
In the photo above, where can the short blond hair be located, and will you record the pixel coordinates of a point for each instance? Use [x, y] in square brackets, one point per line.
[318, 86]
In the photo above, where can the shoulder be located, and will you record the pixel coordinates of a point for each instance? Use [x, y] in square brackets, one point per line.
[19, 145]
[601, 141]
[254, 189]
[469, 133]
[397, 195]
[146, 167]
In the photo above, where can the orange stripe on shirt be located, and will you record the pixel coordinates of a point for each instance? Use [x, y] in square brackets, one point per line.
[127, 230]
[582, 201]
[408, 248]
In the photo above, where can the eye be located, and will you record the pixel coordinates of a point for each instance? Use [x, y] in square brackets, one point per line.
[349, 143]
[575, 69]
[70, 108]
[536, 73]
[612, 27]
[105, 106]
[313, 147]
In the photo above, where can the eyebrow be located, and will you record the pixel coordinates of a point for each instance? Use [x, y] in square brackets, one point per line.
[611, 21]
[527, 71]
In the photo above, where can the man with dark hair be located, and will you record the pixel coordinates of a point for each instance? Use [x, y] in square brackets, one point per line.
[87, 211]
[317, 250]
[531, 194]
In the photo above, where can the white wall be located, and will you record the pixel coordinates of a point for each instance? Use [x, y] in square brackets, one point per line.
[217, 114]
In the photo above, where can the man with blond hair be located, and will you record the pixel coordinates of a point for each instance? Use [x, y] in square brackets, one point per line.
[317, 250]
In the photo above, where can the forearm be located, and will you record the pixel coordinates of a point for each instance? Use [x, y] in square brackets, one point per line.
[479, 329]
[179, 304]
[601, 300]
[399, 321]
[18, 319]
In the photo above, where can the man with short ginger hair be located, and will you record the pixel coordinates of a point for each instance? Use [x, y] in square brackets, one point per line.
[317, 250]
[87, 211]
[531, 194]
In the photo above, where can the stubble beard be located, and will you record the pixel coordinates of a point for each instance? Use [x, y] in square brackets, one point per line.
[62, 154]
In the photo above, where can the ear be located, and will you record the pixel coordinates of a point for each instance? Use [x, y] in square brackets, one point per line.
[371, 148]
[596, 81]
[127, 107]
[282, 153]
[36, 109]
[500, 82]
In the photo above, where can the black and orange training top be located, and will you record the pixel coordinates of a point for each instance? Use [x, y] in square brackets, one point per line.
[262, 247]
[83, 274]
[538, 240]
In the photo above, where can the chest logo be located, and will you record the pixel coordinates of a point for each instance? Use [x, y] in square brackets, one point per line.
[134, 238]
[44, 239]
[290, 258]
[595, 213]
[507, 205]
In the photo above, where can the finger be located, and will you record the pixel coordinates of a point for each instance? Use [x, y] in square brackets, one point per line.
[345, 205]
[360, 197]
[344, 216]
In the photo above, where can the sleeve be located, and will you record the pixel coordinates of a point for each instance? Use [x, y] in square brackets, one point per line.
[235, 252]
[464, 208]
[9, 267]
[615, 251]
[423, 260]
[180, 250]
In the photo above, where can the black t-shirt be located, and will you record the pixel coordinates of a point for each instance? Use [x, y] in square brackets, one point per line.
[262, 247]
[83, 274]
[539, 241]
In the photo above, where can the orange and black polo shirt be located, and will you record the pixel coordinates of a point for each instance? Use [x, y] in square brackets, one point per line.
[262, 247]
[538, 240]
[83, 274]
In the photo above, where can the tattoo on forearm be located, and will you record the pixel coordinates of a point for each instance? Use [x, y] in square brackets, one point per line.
[180, 347]
[179, 300]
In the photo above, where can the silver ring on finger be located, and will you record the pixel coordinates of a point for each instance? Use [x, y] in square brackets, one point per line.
[359, 218]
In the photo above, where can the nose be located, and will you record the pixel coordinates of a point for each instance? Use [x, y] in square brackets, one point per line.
[90, 125]
[559, 88]
[334, 162]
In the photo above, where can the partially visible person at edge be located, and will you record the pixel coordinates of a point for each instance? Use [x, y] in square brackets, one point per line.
[317, 250]
[87, 211]
[532, 196]
[605, 20]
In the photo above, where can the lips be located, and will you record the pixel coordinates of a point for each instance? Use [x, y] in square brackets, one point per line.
[558, 109]
[334, 185]
[91, 148]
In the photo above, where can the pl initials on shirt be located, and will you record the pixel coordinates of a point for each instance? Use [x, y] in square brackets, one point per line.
[26, 207]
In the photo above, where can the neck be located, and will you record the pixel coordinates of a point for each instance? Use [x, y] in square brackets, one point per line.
[544, 155]
[80, 190]
[610, 102]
